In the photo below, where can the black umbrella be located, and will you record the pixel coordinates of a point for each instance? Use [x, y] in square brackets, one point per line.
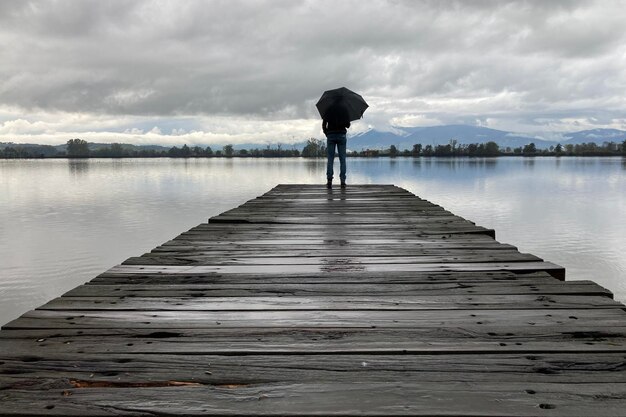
[352, 101]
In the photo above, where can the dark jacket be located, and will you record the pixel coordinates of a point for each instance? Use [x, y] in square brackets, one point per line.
[336, 119]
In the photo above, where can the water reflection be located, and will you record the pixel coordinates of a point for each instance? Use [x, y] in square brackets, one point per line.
[78, 167]
[229, 164]
[315, 166]
[454, 163]
[529, 161]
[490, 163]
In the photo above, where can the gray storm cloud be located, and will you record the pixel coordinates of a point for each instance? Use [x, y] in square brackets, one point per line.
[446, 60]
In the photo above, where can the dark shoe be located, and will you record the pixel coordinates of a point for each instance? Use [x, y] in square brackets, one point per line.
[329, 184]
[343, 184]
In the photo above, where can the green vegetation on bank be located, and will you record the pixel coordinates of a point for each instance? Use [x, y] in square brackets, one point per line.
[490, 149]
[315, 148]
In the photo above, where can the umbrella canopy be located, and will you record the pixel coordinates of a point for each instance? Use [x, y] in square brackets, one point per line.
[353, 102]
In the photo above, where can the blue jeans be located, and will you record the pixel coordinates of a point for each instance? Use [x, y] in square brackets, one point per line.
[339, 140]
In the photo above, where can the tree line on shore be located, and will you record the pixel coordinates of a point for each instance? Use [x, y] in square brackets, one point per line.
[315, 148]
[490, 149]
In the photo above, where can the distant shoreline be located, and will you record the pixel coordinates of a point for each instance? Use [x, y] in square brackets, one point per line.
[314, 148]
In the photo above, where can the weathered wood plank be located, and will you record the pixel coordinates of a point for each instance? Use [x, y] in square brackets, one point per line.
[339, 231]
[338, 251]
[363, 259]
[423, 215]
[117, 370]
[113, 276]
[407, 233]
[323, 220]
[358, 276]
[49, 319]
[498, 338]
[420, 214]
[318, 245]
[462, 278]
[346, 265]
[374, 302]
[204, 227]
[354, 230]
[401, 398]
[181, 289]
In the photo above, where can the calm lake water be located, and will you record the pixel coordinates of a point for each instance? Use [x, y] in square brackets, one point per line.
[63, 222]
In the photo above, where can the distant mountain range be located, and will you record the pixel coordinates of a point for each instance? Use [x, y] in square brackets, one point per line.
[405, 138]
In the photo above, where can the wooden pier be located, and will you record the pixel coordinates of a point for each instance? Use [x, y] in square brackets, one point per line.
[307, 301]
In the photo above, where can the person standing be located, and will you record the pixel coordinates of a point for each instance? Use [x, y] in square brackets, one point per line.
[335, 123]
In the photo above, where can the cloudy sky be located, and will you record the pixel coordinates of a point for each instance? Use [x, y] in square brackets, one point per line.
[216, 72]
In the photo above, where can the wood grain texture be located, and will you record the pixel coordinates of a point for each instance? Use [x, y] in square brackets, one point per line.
[340, 265]
[338, 302]
[180, 288]
[497, 338]
[50, 319]
[306, 301]
[382, 398]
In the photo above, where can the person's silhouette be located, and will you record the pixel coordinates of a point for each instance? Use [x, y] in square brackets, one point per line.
[335, 123]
